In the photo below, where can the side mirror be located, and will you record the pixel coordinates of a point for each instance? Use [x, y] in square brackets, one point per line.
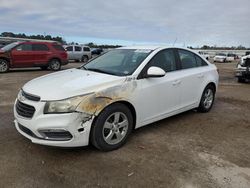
[155, 72]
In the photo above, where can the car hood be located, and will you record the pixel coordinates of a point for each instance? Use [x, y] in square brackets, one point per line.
[69, 83]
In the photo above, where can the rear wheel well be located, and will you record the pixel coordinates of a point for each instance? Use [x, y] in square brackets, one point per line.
[213, 85]
[55, 58]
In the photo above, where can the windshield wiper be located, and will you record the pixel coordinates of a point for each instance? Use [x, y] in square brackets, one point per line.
[98, 70]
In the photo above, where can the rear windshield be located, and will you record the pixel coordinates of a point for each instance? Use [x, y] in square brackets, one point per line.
[58, 47]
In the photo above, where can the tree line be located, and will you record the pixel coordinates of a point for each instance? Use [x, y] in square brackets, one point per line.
[207, 47]
[39, 37]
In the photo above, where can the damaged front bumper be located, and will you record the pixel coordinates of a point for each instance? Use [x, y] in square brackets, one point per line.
[61, 130]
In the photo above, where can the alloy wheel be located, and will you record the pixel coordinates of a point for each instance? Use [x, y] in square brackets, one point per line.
[115, 128]
[208, 98]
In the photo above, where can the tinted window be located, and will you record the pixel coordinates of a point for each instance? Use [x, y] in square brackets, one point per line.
[40, 47]
[165, 60]
[200, 62]
[86, 49]
[69, 48]
[187, 59]
[58, 47]
[78, 48]
[24, 47]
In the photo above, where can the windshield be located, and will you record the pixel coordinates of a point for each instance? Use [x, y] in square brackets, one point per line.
[120, 62]
[221, 54]
[9, 46]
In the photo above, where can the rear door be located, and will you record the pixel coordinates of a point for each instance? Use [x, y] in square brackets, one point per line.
[22, 55]
[193, 73]
[41, 53]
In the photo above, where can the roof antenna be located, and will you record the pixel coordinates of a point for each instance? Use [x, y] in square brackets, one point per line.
[175, 41]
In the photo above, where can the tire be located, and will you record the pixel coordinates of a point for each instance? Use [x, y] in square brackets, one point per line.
[207, 99]
[106, 134]
[84, 59]
[44, 67]
[241, 80]
[4, 66]
[55, 65]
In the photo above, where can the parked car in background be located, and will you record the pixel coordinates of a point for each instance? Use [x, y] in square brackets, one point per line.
[223, 58]
[243, 69]
[32, 54]
[247, 53]
[102, 101]
[96, 51]
[78, 53]
[204, 54]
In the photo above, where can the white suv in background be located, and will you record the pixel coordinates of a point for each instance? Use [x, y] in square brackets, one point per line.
[78, 53]
[102, 101]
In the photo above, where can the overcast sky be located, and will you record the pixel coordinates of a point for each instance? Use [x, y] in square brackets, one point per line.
[128, 22]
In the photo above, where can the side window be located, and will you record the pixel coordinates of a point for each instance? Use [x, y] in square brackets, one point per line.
[69, 48]
[187, 59]
[86, 49]
[200, 62]
[58, 47]
[24, 47]
[39, 47]
[164, 59]
[78, 48]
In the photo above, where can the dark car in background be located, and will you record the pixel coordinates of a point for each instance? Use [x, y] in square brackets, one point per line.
[96, 51]
[32, 54]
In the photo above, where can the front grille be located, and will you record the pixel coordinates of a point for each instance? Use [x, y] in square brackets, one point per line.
[30, 97]
[25, 110]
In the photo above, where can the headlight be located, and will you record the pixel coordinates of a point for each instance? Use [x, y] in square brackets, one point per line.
[62, 106]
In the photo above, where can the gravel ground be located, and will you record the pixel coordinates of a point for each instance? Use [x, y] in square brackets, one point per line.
[188, 150]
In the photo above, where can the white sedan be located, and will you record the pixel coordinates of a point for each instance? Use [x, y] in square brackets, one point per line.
[102, 101]
[223, 58]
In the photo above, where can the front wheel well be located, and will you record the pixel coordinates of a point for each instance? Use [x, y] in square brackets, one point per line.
[6, 59]
[130, 107]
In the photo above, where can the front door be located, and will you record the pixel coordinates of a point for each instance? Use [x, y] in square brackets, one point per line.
[22, 55]
[159, 97]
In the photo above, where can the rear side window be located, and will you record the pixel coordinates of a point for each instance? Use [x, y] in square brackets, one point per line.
[58, 47]
[200, 62]
[24, 47]
[164, 59]
[39, 47]
[187, 58]
[86, 49]
[78, 48]
[69, 48]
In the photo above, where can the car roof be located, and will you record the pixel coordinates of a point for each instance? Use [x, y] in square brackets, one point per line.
[141, 47]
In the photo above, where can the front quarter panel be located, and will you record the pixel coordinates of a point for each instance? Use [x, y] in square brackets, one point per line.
[94, 103]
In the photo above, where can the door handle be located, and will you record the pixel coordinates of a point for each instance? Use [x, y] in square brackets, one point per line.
[200, 75]
[176, 82]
